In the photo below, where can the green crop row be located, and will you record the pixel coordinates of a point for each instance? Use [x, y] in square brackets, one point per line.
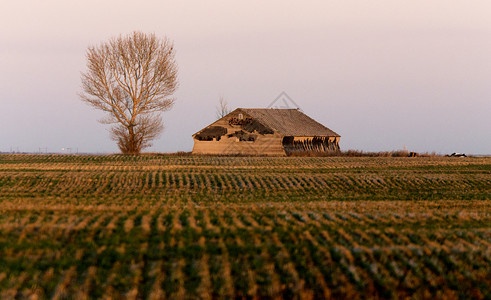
[207, 227]
[244, 251]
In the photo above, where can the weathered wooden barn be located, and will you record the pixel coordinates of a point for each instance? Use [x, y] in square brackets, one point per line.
[263, 131]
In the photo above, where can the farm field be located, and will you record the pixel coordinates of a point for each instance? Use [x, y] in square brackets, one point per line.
[244, 227]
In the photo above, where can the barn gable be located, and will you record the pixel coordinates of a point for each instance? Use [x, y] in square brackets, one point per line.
[264, 132]
[231, 124]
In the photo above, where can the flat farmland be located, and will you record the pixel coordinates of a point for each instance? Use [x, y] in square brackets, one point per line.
[187, 227]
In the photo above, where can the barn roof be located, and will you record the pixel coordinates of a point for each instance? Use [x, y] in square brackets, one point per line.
[289, 122]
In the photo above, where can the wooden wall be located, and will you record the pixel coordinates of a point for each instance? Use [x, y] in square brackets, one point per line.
[264, 145]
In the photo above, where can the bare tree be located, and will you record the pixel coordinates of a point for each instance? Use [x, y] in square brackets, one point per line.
[131, 79]
[222, 108]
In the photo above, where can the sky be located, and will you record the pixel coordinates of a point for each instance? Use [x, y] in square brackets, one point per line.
[383, 74]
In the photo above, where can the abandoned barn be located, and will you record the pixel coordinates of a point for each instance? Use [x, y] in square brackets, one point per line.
[264, 131]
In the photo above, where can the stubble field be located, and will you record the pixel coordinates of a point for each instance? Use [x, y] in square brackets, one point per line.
[244, 227]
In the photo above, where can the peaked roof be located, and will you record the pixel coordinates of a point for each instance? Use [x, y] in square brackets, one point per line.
[289, 122]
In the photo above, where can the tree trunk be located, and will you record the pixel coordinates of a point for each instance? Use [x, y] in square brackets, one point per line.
[132, 147]
[132, 142]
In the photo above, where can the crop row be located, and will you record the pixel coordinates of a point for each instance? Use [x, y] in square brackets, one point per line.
[399, 185]
[244, 251]
[152, 162]
[240, 227]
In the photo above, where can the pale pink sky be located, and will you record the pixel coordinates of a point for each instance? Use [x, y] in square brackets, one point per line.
[383, 74]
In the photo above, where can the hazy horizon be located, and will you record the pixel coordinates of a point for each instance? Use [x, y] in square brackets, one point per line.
[382, 74]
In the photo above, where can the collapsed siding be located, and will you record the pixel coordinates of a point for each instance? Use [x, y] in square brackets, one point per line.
[310, 144]
[238, 133]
